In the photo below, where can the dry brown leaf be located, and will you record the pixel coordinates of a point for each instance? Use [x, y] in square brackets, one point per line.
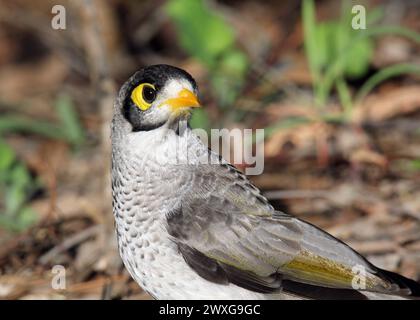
[303, 138]
[385, 105]
[368, 156]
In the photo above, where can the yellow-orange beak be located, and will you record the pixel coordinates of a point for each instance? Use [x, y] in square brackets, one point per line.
[185, 99]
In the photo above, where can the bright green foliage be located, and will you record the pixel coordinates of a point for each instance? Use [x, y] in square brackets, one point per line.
[70, 124]
[200, 119]
[68, 129]
[336, 52]
[16, 186]
[415, 165]
[16, 183]
[334, 37]
[334, 40]
[204, 35]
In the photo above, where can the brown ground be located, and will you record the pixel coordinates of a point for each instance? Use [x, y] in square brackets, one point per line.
[357, 180]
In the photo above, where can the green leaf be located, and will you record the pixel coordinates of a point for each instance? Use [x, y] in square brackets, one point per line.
[27, 217]
[284, 124]
[311, 37]
[415, 165]
[16, 186]
[226, 87]
[325, 46]
[384, 74]
[374, 15]
[358, 59]
[200, 119]
[71, 126]
[359, 54]
[17, 190]
[228, 79]
[234, 63]
[202, 33]
[20, 175]
[206, 36]
[15, 123]
[7, 156]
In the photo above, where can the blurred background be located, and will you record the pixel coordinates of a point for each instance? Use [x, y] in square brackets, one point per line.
[340, 108]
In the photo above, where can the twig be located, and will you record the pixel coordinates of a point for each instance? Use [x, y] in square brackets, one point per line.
[70, 242]
[94, 284]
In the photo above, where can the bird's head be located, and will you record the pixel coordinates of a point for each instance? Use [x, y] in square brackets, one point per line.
[157, 95]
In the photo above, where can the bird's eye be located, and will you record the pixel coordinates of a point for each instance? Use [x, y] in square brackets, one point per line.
[143, 95]
[149, 94]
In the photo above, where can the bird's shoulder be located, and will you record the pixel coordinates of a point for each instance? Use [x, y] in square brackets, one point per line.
[219, 182]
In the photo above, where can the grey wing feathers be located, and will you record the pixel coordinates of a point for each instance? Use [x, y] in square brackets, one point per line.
[219, 230]
[227, 231]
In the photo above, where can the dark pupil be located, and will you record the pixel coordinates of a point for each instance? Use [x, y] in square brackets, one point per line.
[149, 94]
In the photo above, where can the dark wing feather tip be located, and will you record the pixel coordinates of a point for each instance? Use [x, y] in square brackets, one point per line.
[321, 293]
[404, 283]
[221, 273]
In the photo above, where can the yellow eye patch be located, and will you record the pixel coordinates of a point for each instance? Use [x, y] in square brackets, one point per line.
[144, 95]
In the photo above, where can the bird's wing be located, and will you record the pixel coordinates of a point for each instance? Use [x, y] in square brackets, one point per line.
[227, 232]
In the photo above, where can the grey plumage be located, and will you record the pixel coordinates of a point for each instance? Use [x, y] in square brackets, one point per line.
[192, 230]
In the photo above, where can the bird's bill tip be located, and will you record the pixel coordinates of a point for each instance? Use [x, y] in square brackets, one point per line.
[185, 99]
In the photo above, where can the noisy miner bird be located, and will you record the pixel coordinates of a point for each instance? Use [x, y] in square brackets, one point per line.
[194, 229]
